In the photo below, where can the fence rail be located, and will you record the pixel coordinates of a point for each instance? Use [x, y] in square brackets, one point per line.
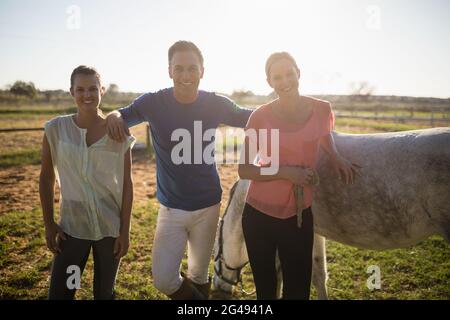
[20, 129]
[431, 120]
[401, 119]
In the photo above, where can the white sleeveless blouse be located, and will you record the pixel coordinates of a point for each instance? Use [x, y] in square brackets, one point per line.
[90, 179]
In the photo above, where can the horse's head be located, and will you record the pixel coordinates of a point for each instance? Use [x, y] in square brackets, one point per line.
[230, 253]
[227, 273]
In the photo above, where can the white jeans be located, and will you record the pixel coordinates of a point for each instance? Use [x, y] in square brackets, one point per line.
[175, 228]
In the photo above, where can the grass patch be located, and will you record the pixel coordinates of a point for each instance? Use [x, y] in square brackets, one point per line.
[399, 113]
[34, 112]
[20, 158]
[24, 279]
[46, 110]
[419, 272]
[26, 262]
[385, 126]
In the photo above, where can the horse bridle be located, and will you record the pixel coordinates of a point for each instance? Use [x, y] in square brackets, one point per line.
[219, 257]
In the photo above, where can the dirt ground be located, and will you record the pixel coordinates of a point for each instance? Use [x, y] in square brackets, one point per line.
[20, 185]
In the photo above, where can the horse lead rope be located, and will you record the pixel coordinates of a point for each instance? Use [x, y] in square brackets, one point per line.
[298, 192]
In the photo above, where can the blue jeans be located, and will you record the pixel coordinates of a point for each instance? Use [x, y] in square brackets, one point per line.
[75, 252]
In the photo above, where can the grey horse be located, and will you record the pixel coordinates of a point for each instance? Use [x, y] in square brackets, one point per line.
[401, 198]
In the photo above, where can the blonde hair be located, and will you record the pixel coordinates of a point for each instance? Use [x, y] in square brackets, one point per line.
[274, 57]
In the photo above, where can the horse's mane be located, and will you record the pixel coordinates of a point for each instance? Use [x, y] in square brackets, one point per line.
[232, 190]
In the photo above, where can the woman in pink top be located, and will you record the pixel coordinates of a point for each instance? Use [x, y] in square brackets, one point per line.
[292, 126]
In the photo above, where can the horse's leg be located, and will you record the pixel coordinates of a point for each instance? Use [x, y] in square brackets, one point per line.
[319, 273]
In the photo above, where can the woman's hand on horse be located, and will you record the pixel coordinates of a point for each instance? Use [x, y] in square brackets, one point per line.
[299, 175]
[346, 170]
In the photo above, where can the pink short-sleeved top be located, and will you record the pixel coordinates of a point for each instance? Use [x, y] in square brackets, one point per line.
[298, 146]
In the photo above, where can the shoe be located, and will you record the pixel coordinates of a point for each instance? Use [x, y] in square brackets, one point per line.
[204, 289]
[187, 291]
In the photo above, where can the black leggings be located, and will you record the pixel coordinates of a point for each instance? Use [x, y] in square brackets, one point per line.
[76, 252]
[264, 235]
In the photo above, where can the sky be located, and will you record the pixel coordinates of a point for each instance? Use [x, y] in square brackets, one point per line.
[400, 47]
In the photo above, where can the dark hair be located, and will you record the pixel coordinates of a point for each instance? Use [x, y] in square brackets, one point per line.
[183, 45]
[86, 71]
[274, 57]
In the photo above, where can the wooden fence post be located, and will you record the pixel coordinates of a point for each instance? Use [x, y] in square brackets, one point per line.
[148, 142]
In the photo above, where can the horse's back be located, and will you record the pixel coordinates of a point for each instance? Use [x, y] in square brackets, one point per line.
[401, 197]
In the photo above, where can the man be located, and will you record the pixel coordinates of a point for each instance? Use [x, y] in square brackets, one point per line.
[189, 190]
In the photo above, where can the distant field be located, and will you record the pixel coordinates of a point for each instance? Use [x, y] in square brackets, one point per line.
[399, 113]
[22, 147]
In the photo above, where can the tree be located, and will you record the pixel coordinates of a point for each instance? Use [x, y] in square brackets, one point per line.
[112, 90]
[238, 95]
[48, 95]
[362, 89]
[21, 88]
[112, 93]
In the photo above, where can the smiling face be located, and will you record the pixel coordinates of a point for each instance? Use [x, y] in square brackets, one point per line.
[87, 91]
[186, 70]
[283, 77]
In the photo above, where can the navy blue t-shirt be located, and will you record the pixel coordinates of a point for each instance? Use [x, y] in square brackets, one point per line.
[187, 186]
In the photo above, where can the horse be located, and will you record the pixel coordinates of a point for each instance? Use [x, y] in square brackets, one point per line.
[400, 199]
